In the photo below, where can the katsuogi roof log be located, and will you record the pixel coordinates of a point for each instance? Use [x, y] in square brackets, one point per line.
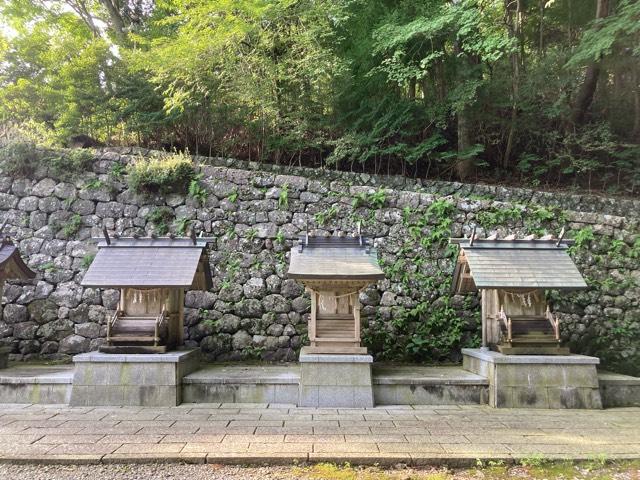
[334, 258]
[510, 263]
[150, 263]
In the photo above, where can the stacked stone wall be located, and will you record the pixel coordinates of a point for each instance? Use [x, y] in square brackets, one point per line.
[256, 213]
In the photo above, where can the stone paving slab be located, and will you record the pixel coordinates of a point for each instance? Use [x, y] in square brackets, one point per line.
[283, 434]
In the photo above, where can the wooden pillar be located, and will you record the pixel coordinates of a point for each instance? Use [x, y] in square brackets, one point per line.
[356, 319]
[314, 315]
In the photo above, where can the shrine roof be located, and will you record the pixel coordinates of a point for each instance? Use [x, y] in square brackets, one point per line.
[513, 263]
[338, 258]
[146, 263]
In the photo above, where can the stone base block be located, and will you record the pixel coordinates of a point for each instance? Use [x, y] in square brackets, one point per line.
[619, 390]
[150, 380]
[335, 380]
[4, 356]
[536, 381]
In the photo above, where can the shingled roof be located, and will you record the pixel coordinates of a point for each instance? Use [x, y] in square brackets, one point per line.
[506, 263]
[11, 264]
[337, 258]
[147, 263]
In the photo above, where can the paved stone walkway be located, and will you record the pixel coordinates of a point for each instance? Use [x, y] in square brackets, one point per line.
[260, 433]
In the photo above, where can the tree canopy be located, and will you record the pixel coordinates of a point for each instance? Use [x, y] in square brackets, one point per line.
[538, 92]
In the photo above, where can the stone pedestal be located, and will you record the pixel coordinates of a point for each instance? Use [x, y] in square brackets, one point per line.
[150, 380]
[335, 380]
[536, 381]
[4, 356]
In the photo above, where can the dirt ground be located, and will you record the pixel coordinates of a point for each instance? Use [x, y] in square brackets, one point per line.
[535, 469]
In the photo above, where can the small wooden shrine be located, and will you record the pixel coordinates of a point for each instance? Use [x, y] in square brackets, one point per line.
[152, 275]
[334, 270]
[11, 264]
[512, 276]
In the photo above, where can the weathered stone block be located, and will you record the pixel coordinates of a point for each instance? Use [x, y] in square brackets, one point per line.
[138, 380]
[536, 381]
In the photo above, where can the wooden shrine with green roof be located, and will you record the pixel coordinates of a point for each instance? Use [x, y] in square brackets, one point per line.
[152, 275]
[512, 276]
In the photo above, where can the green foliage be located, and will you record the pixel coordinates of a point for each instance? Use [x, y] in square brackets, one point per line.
[325, 216]
[233, 197]
[374, 200]
[283, 197]
[406, 88]
[182, 225]
[196, 190]
[70, 163]
[23, 158]
[72, 226]
[87, 260]
[20, 159]
[280, 238]
[251, 233]
[163, 175]
[161, 218]
[93, 184]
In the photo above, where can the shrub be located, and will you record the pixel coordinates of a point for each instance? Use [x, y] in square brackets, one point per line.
[69, 164]
[20, 159]
[72, 226]
[161, 218]
[172, 174]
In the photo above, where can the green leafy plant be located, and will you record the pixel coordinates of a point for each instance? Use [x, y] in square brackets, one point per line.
[233, 196]
[48, 267]
[196, 190]
[93, 184]
[20, 158]
[117, 170]
[323, 217]
[161, 218]
[283, 197]
[182, 225]
[72, 226]
[250, 234]
[87, 260]
[280, 238]
[170, 174]
[70, 163]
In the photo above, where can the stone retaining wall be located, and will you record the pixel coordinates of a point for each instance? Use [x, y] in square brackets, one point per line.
[256, 213]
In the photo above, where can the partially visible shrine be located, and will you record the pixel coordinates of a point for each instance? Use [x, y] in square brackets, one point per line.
[11, 267]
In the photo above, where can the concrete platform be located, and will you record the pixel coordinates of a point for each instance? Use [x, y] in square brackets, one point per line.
[619, 390]
[335, 380]
[242, 384]
[536, 381]
[153, 379]
[417, 385]
[392, 385]
[36, 383]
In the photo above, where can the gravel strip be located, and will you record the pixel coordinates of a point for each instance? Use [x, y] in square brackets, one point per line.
[142, 472]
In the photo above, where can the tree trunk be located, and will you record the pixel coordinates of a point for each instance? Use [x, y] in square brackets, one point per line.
[585, 94]
[464, 164]
[117, 22]
[515, 30]
[636, 103]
